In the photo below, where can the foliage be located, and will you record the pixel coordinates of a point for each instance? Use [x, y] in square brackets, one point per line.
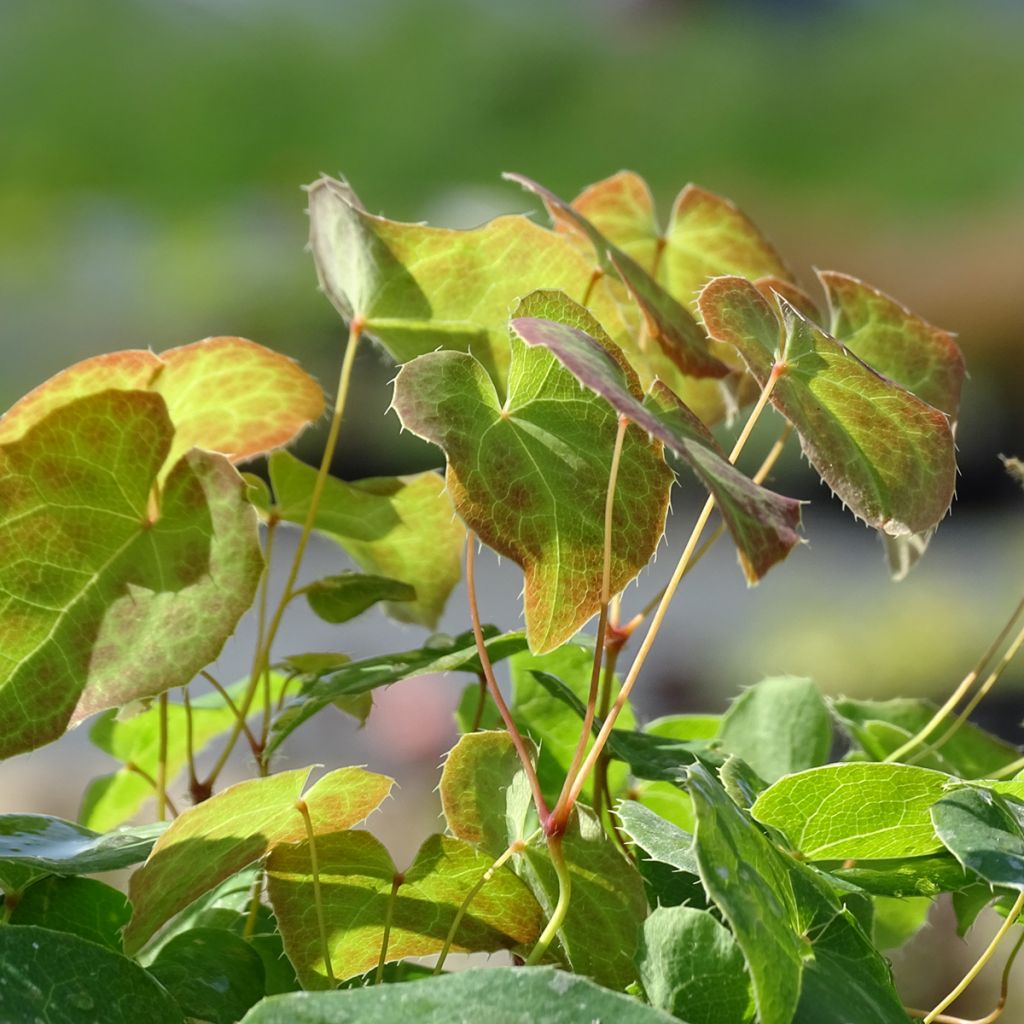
[710, 869]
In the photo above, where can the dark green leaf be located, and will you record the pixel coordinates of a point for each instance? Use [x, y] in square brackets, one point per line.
[983, 831]
[82, 906]
[337, 599]
[909, 876]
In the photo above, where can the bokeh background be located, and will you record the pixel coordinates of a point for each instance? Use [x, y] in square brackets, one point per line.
[150, 169]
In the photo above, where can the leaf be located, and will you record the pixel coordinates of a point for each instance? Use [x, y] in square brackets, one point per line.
[81, 906]
[983, 831]
[441, 653]
[885, 453]
[856, 810]
[505, 995]
[691, 967]
[46, 845]
[356, 879]
[339, 598]
[57, 978]
[418, 288]
[263, 399]
[659, 839]
[780, 725]
[881, 727]
[905, 876]
[211, 841]
[401, 527]
[213, 975]
[530, 476]
[670, 324]
[898, 920]
[762, 524]
[110, 580]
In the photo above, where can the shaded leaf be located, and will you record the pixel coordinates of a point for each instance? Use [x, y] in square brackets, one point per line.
[884, 452]
[904, 876]
[778, 726]
[356, 879]
[983, 831]
[263, 399]
[762, 524]
[401, 527]
[530, 476]
[110, 580]
[441, 653]
[898, 920]
[856, 810]
[213, 840]
[58, 978]
[339, 598]
[506, 995]
[84, 907]
[691, 967]
[212, 975]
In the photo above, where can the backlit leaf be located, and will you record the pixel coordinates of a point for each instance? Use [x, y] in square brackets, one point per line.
[213, 840]
[762, 524]
[89, 578]
[403, 528]
[339, 598]
[857, 810]
[530, 476]
[884, 452]
[356, 879]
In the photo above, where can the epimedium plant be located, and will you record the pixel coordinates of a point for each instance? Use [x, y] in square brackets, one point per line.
[714, 869]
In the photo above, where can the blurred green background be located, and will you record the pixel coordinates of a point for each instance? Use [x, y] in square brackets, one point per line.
[150, 170]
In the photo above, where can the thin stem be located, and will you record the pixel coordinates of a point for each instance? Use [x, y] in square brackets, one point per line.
[515, 847]
[261, 628]
[557, 918]
[325, 950]
[481, 703]
[961, 691]
[131, 766]
[1011, 919]
[560, 813]
[659, 616]
[261, 658]
[161, 763]
[492, 684]
[388, 916]
[190, 752]
[595, 275]
[232, 707]
[254, 906]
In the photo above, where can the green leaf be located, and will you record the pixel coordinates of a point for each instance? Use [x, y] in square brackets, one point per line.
[856, 810]
[36, 844]
[213, 975]
[110, 580]
[659, 839]
[400, 527]
[898, 920]
[213, 840]
[418, 288]
[530, 476]
[884, 452]
[441, 653]
[506, 995]
[983, 831]
[778, 726]
[881, 727]
[339, 598]
[762, 524]
[58, 978]
[356, 879]
[691, 967]
[82, 906]
[907, 876]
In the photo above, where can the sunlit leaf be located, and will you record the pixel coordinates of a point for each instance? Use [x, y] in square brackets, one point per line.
[418, 288]
[356, 878]
[884, 452]
[403, 528]
[658, 838]
[213, 840]
[505, 995]
[84, 907]
[857, 810]
[904, 876]
[530, 476]
[225, 395]
[762, 524]
[89, 578]
[339, 598]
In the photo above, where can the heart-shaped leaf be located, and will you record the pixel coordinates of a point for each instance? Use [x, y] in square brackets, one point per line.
[211, 841]
[762, 524]
[224, 395]
[403, 528]
[884, 452]
[530, 476]
[109, 579]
